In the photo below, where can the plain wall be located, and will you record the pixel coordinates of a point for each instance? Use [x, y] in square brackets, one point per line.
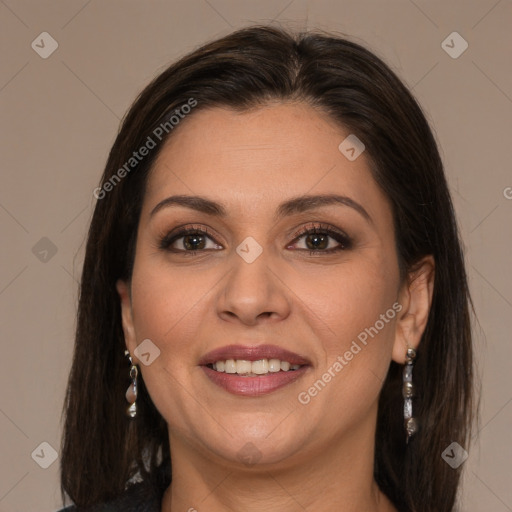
[59, 118]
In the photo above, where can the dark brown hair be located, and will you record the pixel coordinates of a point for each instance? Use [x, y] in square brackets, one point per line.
[101, 448]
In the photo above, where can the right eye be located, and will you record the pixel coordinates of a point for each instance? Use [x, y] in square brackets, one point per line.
[190, 239]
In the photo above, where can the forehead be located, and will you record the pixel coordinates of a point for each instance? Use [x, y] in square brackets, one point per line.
[260, 156]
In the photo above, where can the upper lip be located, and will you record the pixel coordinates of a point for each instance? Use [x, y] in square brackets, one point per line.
[252, 353]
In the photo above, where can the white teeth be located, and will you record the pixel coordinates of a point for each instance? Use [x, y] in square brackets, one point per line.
[259, 367]
[230, 366]
[243, 366]
[274, 365]
[253, 368]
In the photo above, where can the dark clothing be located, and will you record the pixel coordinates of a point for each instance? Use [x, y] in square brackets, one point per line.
[139, 497]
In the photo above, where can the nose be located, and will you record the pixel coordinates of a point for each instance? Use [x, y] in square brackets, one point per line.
[253, 293]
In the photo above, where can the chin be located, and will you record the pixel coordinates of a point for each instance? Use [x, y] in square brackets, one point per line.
[252, 450]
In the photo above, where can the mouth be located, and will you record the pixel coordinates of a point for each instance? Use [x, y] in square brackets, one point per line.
[253, 371]
[246, 368]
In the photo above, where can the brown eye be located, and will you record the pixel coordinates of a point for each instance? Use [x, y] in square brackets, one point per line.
[322, 239]
[188, 240]
[317, 241]
[194, 242]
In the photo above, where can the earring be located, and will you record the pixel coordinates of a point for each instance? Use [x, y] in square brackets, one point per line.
[410, 423]
[131, 392]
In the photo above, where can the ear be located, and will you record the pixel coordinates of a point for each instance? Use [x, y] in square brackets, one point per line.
[123, 289]
[415, 297]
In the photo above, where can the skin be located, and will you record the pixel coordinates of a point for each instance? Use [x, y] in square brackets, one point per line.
[317, 456]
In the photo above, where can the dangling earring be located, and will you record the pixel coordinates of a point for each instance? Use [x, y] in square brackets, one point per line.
[131, 392]
[410, 423]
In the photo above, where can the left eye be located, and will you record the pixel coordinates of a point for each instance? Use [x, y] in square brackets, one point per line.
[318, 240]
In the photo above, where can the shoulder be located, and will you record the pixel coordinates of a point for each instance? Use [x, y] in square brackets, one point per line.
[142, 496]
[139, 497]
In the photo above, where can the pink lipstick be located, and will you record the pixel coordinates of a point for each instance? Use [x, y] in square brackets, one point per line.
[253, 370]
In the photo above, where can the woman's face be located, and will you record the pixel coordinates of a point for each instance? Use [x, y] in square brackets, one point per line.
[256, 288]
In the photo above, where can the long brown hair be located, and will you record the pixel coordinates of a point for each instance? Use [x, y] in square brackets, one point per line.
[101, 448]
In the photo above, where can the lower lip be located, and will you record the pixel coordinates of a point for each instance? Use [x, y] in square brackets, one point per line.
[253, 386]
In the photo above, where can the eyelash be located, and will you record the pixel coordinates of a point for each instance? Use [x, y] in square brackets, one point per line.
[343, 239]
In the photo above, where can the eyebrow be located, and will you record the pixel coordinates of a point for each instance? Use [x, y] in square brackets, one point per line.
[291, 206]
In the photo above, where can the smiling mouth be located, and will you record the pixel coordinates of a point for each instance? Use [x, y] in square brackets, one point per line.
[245, 368]
[253, 370]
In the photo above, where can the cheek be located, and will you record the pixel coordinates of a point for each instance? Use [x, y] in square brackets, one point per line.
[165, 300]
[167, 310]
[355, 314]
[348, 305]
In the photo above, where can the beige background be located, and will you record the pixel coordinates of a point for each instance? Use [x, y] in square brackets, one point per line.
[60, 116]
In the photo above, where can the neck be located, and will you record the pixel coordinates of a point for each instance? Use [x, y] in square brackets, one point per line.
[338, 478]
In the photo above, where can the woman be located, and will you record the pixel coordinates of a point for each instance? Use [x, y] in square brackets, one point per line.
[273, 270]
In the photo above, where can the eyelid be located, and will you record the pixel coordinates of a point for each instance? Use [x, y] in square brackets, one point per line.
[319, 227]
[346, 241]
